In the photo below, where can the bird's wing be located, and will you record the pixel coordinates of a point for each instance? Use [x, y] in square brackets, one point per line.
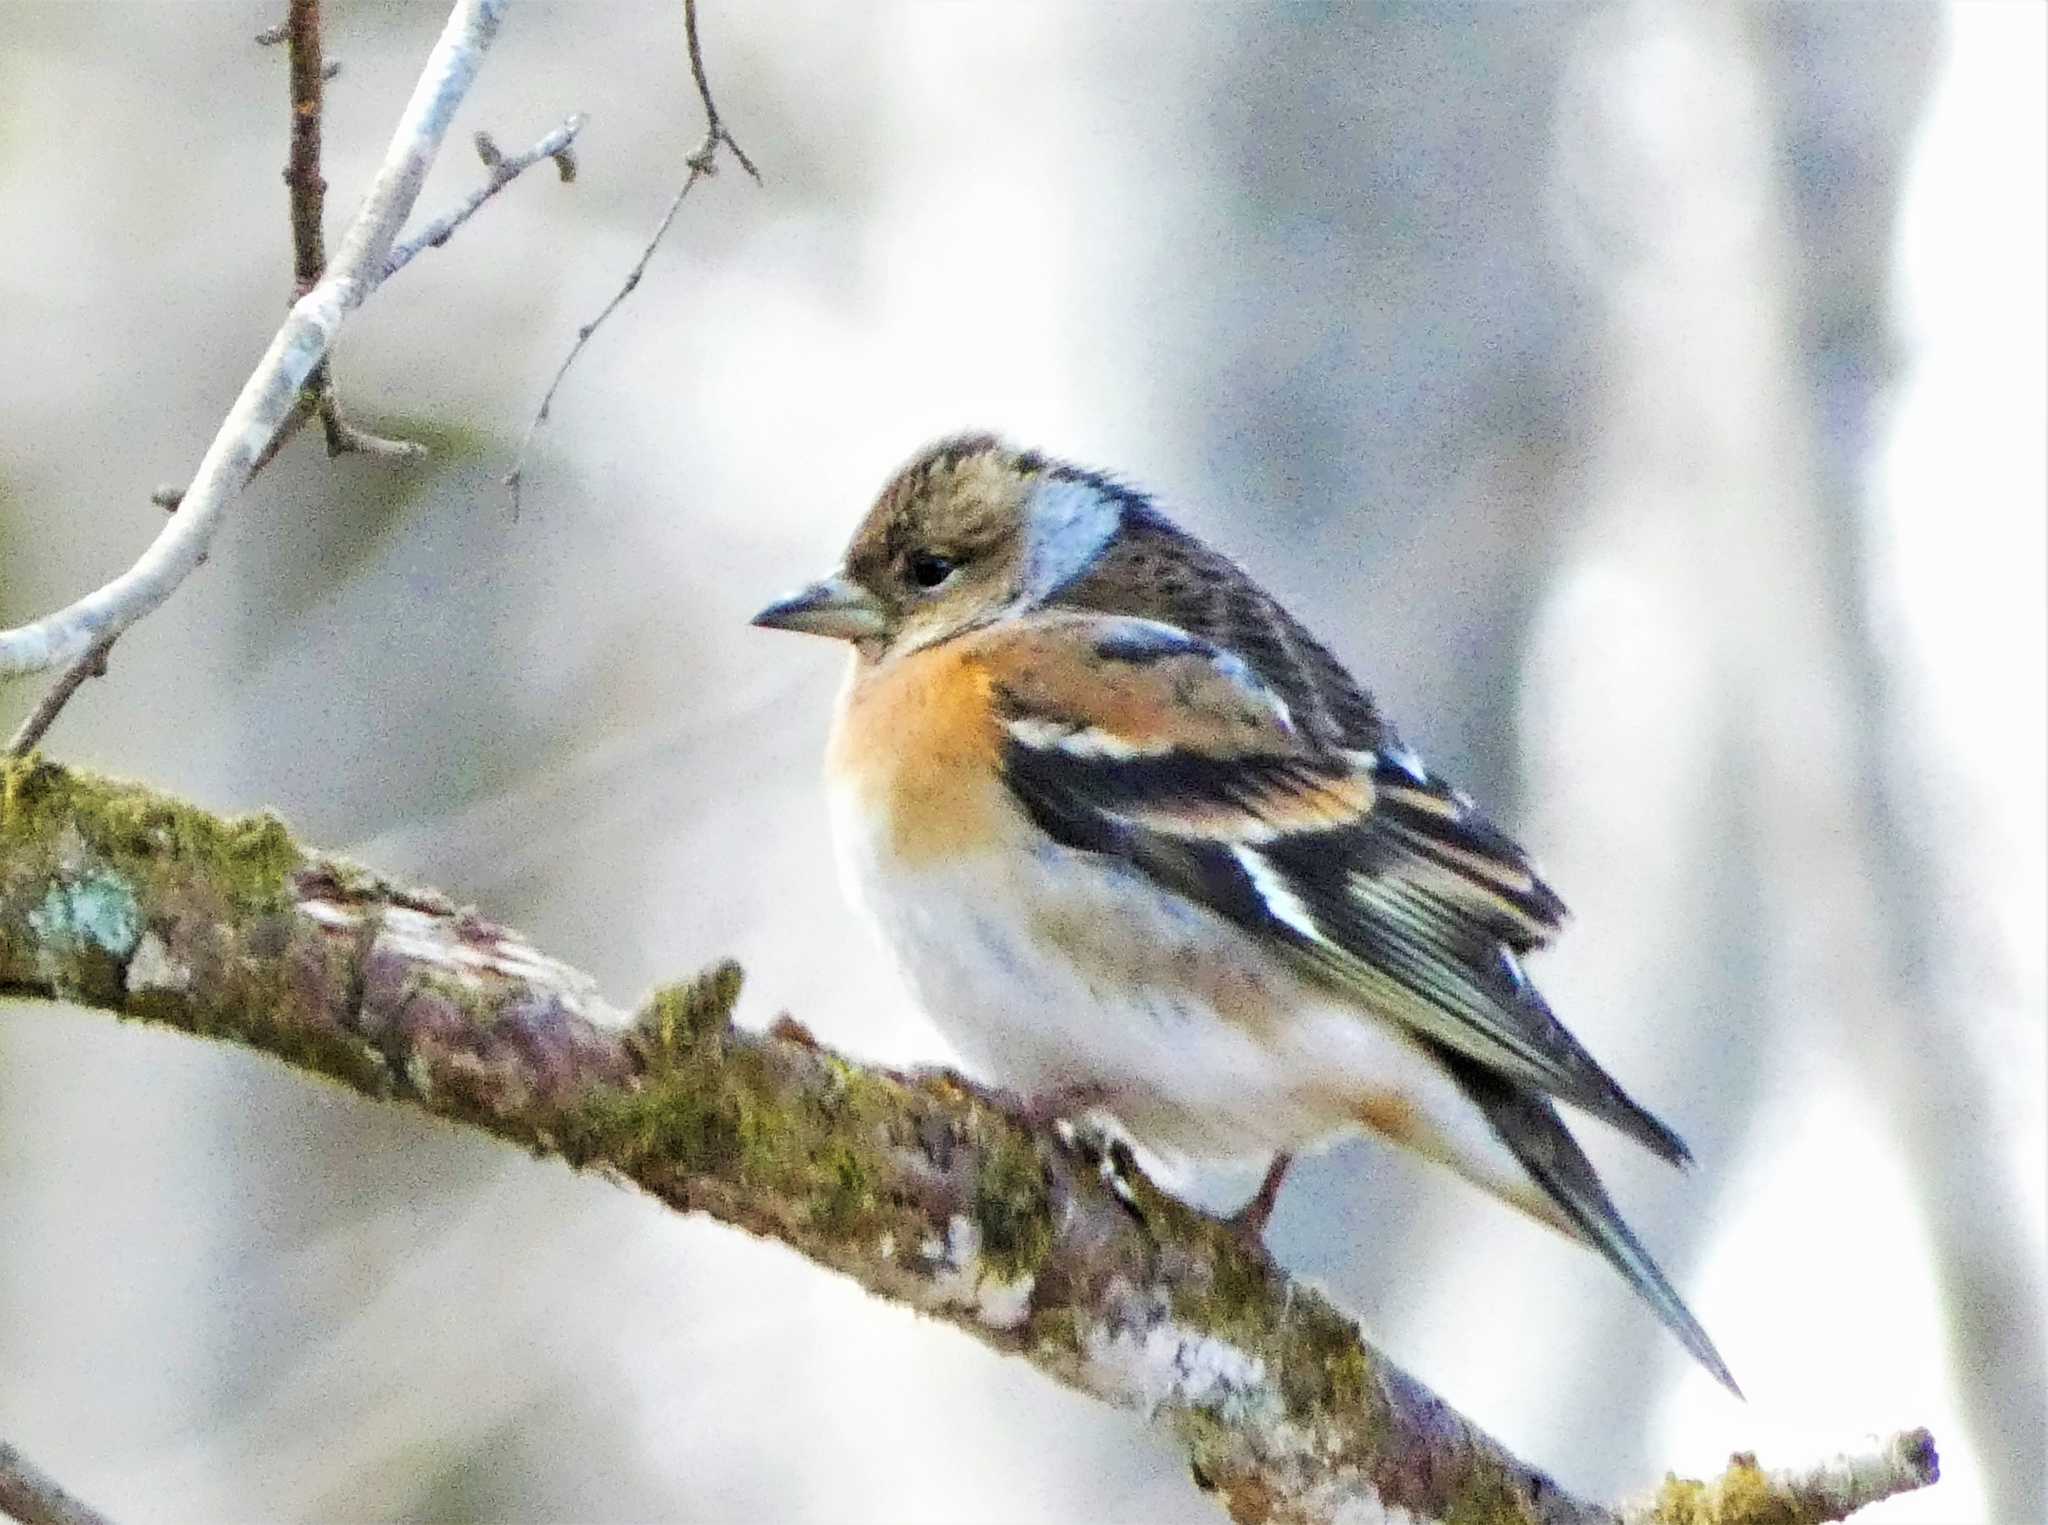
[1139, 740]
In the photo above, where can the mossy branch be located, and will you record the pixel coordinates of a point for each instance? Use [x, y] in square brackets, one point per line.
[921, 1187]
[32, 1496]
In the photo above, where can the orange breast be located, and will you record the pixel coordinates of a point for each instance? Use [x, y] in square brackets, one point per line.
[917, 741]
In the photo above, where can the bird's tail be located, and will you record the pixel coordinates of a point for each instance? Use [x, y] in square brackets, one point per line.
[1529, 1126]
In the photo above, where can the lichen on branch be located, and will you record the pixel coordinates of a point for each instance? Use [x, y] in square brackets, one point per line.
[920, 1186]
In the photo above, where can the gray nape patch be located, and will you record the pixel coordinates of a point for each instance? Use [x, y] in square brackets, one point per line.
[1067, 524]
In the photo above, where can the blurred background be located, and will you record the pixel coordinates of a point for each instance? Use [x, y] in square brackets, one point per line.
[1647, 399]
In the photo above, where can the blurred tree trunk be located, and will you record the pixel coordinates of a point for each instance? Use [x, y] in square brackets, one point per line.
[1843, 151]
[1751, 345]
[1612, 378]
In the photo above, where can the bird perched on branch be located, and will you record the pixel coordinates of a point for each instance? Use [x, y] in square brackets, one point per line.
[1142, 846]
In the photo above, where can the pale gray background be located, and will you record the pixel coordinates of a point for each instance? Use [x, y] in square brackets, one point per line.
[1646, 399]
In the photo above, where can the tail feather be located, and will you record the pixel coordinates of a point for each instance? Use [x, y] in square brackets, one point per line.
[1529, 1125]
[1600, 1095]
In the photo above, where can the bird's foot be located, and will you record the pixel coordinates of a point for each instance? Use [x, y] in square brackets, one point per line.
[1111, 1160]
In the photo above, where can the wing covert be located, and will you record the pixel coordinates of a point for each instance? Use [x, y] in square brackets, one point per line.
[1140, 740]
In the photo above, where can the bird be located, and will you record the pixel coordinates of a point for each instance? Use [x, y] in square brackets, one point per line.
[1141, 846]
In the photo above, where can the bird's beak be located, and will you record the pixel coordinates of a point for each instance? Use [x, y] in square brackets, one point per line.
[835, 606]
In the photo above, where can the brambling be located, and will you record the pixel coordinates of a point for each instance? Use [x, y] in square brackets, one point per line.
[1142, 846]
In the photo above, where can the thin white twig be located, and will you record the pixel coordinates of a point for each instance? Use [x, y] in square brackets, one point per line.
[503, 172]
[272, 390]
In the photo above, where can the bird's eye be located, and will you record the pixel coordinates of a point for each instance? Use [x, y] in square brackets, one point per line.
[928, 569]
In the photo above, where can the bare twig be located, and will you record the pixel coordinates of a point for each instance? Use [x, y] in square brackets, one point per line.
[503, 171]
[922, 1187]
[344, 438]
[308, 188]
[704, 160]
[33, 1497]
[93, 662]
[307, 194]
[302, 177]
[271, 393]
[703, 164]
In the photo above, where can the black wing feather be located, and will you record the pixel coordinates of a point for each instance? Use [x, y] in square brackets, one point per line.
[1399, 893]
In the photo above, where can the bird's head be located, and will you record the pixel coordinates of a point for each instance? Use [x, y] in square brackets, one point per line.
[969, 532]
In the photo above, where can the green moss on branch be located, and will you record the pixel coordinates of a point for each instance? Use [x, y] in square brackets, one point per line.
[920, 1186]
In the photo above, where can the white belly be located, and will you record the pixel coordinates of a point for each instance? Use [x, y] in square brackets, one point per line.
[1053, 971]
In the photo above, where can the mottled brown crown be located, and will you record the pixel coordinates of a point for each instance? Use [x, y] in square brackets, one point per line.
[963, 497]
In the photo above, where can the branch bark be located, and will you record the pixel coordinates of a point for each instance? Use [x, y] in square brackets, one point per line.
[308, 71]
[32, 1496]
[921, 1187]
